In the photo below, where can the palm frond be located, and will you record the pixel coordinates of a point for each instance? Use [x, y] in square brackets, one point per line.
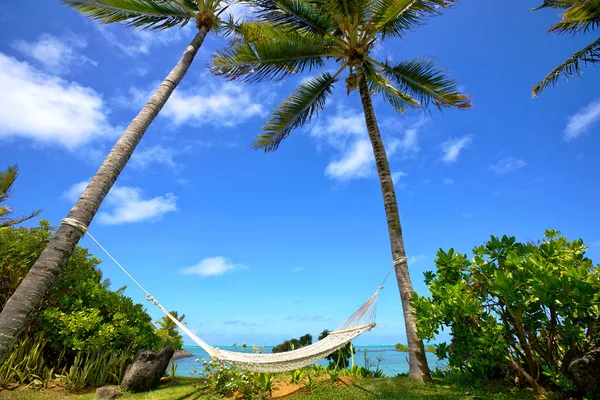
[145, 14]
[422, 80]
[294, 14]
[269, 58]
[307, 100]
[7, 180]
[556, 4]
[570, 68]
[581, 17]
[379, 84]
[396, 17]
[6, 222]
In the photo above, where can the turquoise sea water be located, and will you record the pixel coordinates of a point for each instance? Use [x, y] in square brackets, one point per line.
[390, 361]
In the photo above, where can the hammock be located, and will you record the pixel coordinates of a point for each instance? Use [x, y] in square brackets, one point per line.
[361, 321]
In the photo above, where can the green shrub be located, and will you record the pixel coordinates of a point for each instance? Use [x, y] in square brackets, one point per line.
[293, 344]
[341, 357]
[519, 309]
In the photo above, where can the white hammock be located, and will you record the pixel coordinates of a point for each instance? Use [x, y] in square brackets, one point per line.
[358, 323]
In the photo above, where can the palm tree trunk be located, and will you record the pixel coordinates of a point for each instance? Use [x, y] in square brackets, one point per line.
[28, 297]
[417, 361]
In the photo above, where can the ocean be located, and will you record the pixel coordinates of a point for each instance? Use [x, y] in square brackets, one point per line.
[392, 362]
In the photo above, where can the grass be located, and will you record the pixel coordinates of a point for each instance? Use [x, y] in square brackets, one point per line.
[359, 389]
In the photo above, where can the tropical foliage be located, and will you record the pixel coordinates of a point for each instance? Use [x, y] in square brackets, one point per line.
[580, 16]
[296, 36]
[293, 344]
[524, 310]
[168, 331]
[7, 180]
[341, 357]
[80, 313]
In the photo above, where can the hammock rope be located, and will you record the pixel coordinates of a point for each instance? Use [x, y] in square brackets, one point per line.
[361, 321]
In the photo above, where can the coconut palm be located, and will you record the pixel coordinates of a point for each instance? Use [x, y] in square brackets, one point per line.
[293, 36]
[581, 16]
[7, 180]
[142, 14]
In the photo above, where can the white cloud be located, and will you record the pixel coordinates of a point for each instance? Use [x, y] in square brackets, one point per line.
[356, 162]
[448, 181]
[48, 109]
[417, 258]
[507, 165]
[54, 54]
[157, 154]
[397, 176]
[133, 42]
[582, 121]
[223, 104]
[297, 269]
[125, 204]
[213, 266]
[451, 148]
[346, 132]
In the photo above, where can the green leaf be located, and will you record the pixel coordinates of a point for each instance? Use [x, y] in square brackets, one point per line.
[422, 80]
[571, 67]
[396, 17]
[306, 101]
[145, 14]
[379, 84]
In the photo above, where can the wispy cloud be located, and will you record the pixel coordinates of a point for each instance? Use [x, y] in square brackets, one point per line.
[307, 318]
[582, 120]
[467, 215]
[451, 148]
[219, 103]
[157, 154]
[448, 181]
[55, 55]
[131, 43]
[239, 322]
[507, 165]
[48, 109]
[126, 204]
[213, 266]
[297, 269]
[417, 259]
[397, 177]
[346, 132]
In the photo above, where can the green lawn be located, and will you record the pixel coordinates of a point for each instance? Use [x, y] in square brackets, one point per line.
[360, 389]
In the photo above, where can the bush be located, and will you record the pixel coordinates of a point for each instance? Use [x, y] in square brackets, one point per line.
[341, 357]
[81, 318]
[520, 309]
[293, 344]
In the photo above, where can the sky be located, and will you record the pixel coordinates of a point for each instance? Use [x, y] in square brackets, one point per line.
[256, 247]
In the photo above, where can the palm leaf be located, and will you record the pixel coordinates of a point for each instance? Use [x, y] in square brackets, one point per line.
[396, 17]
[270, 58]
[422, 80]
[295, 14]
[307, 100]
[5, 222]
[581, 17]
[7, 179]
[379, 84]
[145, 14]
[571, 67]
[556, 4]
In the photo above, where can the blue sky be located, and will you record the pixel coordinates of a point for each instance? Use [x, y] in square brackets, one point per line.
[257, 247]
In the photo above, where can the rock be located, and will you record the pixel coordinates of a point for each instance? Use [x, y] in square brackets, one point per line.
[181, 354]
[145, 371]
[109, 392]
[585, 372]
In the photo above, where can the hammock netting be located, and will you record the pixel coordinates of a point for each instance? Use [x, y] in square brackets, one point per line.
[358, 323]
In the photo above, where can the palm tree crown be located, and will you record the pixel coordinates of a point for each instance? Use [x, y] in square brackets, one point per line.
[7, 180]
[580, 16]
[298, 35]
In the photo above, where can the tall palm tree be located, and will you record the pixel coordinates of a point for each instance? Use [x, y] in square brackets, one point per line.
[7, 180]
[143, 14]
[581, 16]
[292, 36]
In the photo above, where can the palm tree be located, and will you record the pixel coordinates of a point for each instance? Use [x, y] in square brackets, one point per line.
[143, 14]
[297, 35]
[7, 180]
[168, 330]
[581, 16]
